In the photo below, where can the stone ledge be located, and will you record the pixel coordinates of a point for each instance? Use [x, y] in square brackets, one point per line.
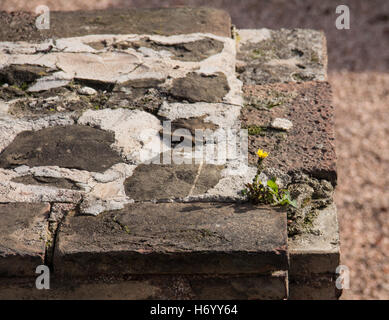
[313, 287]
[166, 21]
[317, 252]
[166, 287]
[174, 238]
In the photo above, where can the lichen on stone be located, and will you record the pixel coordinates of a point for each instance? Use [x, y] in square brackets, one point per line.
[311, 195]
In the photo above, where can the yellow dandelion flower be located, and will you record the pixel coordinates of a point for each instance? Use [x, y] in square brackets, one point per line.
[262, 154]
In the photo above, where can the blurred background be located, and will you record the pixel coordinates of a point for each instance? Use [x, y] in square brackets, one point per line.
[358, 71]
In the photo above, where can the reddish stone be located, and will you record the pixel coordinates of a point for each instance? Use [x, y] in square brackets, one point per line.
[308, 146]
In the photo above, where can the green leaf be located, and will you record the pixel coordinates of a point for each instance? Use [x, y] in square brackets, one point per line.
[272, 185]
[293, 203]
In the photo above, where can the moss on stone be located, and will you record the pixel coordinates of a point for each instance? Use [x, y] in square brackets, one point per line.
[270, 99]
[311, 194]
[123, 226]
[254, 130]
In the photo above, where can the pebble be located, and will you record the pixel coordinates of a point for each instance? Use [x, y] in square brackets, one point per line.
[282, 124]
[87, 91]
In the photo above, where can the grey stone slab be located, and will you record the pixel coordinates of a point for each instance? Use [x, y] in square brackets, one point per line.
[78, 147]
[153, 181]
[314, 287]
[319, 251]
[174, 238]
[246, 287]
[172, 287]
[270, 56]
[196, 87]
[164, 21]
[22, 238]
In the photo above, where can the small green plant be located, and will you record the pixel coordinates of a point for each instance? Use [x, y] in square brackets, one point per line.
[268, 193]
[254, 130]
[24, 86]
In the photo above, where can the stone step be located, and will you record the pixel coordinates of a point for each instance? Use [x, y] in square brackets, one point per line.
[155, 287]
[173, 238]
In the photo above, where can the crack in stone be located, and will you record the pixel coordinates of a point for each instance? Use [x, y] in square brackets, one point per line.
[196, 178]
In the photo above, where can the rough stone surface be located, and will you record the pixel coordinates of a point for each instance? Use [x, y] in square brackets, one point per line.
[317, 252]
[22, 238]
[166, 21]
[79, 147]
[312, 196]
[10, 127]
[201, 88]
[174, 238]
[222, 115]
[165, 287]
[191, 51]
[136, 132]
[269, 56]
[190, 125]
[314, 287]
[62, 183]
[125, 74]
[313, 259]
[157, 182]
[308, 146]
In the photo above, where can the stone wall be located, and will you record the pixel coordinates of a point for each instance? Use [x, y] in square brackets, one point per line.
[86, 184]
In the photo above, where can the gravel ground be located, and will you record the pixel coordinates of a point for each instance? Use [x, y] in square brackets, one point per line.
[362, 197]
[359, 74]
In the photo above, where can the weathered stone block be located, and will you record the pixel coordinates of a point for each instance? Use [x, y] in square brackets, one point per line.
[174, 238]
[316, 252]
[308, 145]
[79, 147]
[313, 287]
[269, 56]
[196, 87]
[246, 287]
[314, 258]
[165, 21]
[23, 230]
[157, 182]
[172, 287]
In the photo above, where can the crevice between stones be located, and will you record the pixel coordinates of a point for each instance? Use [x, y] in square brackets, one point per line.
[53, 229]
